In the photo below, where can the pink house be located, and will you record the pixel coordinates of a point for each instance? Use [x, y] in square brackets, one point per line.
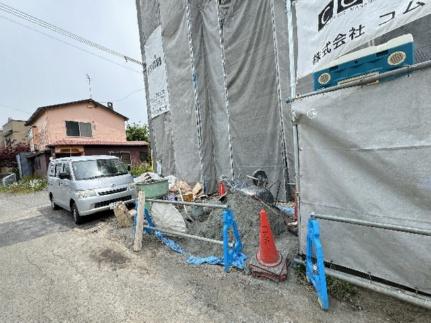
[77, 128]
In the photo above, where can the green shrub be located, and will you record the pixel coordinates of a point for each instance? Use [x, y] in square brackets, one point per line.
[26, 185]
[140, 169]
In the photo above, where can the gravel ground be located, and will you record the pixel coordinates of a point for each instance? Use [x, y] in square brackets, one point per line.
[52, 270]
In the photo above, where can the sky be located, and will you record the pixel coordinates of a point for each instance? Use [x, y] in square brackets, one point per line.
[37, 70]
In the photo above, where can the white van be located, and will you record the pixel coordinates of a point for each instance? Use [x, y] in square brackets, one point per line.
[88, 184]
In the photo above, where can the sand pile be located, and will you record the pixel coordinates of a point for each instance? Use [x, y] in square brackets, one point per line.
[246, 211]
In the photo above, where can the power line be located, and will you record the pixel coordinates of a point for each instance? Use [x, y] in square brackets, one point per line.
[41, 23]
[22, 15]
[69, 44]
[125, 97]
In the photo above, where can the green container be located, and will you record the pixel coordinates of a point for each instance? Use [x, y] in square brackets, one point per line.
[154, 190]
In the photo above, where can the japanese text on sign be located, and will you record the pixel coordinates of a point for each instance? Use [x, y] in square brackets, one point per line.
[156, 74]
[330, 29]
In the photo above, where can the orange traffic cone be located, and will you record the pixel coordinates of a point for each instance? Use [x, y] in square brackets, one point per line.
[221, 189]
[267, 255]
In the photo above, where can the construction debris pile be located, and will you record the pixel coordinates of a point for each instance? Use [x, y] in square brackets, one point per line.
[246, 198]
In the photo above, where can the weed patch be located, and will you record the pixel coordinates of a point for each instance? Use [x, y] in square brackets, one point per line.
[26, 185]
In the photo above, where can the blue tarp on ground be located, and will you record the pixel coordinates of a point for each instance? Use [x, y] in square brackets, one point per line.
[238, 259]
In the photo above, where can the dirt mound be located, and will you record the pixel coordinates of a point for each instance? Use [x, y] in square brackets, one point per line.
[246, 212]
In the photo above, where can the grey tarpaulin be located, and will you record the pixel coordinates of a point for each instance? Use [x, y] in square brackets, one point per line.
[365, 153]
[160, 126]
[280, 28]
[174, 19]
[227, 86]
[254, 110]
[146, 27]
[209, 79]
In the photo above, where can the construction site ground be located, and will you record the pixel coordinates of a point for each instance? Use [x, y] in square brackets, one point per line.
[52, 270]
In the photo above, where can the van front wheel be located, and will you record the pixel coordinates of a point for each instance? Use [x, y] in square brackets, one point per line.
[76, 217]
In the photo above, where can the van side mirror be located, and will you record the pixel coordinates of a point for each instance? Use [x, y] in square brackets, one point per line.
[64, 176]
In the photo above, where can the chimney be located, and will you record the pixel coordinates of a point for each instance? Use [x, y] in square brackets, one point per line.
[110, 106]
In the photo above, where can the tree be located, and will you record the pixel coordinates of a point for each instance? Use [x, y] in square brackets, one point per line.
[137, 131]
[8, 154]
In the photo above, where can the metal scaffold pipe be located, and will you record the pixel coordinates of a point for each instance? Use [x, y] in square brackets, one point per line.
[397, 293]
[212, 206]
[368, 79]
[364, 223]
[184, 235]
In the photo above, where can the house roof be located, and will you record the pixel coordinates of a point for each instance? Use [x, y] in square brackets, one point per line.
[78, 142]
[16, 120]
[39, 111]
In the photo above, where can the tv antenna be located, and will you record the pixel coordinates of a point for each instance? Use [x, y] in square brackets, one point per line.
[89, 85]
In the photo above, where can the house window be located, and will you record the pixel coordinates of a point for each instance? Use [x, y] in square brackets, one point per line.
[143, 156]
[78, 129]
[124, 156]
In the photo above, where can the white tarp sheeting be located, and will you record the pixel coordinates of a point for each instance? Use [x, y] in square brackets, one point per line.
[156, 71]
[329, 29]
[161, 133]
[365, 153]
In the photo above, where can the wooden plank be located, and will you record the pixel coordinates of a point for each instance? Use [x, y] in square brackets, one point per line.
[137, 244]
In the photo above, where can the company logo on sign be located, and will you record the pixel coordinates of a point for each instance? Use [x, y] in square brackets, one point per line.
[157, 61]
[328, 12]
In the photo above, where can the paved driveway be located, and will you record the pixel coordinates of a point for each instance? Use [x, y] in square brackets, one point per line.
[54, 271]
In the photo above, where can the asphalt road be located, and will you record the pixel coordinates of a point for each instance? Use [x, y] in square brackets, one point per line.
[54, 271]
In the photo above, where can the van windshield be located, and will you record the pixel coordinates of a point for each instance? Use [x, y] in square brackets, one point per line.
[90, 169]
